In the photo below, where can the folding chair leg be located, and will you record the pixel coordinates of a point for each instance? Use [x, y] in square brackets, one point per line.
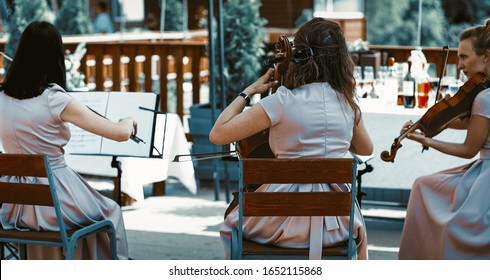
[112, 242]
[234, 244]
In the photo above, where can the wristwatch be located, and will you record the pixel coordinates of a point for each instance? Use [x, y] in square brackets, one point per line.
[246, 97]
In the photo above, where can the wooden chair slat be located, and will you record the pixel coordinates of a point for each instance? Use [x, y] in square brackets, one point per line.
[252, 248]
[264, 171]
[28, 165]
[307, 204]
[31, 194]
[296, 204]
[49, 236]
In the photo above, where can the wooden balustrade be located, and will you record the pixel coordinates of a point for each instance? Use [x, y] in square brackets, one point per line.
[118, 66]
[126, 61]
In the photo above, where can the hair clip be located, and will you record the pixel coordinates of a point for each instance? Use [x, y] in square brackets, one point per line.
[302, 55]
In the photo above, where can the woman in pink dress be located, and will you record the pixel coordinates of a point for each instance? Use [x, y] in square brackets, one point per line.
[448, 214]
[314, 115]
[34, 113]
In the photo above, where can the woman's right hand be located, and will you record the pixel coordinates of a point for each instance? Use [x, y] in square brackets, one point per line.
[130, 125]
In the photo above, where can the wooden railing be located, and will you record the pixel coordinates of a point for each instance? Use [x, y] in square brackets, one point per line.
[125, 63]
[135, 63]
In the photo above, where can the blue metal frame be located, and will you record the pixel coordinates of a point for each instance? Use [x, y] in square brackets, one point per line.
[237, 233]
[68, 243]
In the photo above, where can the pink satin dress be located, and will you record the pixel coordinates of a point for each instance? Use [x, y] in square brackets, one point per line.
[311, 121]
[448, 214]
[34, 126]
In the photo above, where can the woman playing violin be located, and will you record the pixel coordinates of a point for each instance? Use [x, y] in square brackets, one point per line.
[313, 115]
[448, 215]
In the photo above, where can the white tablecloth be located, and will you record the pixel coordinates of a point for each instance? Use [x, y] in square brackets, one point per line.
[383, 122]
[137, 172]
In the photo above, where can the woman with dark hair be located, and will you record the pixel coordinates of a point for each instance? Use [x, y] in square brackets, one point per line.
[35, 111]
[448, 214]
[313, 115]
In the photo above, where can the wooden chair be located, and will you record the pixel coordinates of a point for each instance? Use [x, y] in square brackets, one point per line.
[300, 170]
[39, 193]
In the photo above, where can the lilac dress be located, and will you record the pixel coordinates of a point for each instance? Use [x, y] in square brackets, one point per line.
[448, 215]
[311, 121]
[34, 126]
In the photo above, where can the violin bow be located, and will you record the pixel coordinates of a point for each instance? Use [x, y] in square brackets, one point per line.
[204, 156]
[445, 55]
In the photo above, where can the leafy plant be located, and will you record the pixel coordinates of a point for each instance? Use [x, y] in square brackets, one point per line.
[174, 15]
[74, 78]
[395, 22]
[243, 46]
[25, 12]
[72, 19]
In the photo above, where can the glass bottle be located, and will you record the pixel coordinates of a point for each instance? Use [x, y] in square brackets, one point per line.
[391, 83]
[409, 91]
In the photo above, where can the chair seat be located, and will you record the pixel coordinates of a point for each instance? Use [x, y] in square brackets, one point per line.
[252, 248]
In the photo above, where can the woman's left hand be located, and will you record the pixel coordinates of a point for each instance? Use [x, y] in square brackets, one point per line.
[418, 137]
[262, 84]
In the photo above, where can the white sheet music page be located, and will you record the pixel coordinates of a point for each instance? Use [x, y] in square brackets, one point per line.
[115, 106]
[126, 104]
[82, 141]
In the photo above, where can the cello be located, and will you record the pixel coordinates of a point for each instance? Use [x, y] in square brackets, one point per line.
[439, 116]
[257, 145]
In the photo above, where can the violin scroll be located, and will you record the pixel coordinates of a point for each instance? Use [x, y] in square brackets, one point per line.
[390, 156]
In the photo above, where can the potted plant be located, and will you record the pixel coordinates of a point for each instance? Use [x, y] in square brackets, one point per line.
[244, 35]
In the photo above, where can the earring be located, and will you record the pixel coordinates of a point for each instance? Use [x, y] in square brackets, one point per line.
[485, 60]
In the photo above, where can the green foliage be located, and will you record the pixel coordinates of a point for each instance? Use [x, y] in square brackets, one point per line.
[453, 10]
[433, 22]
[306, 15]
[244, 45]
[25, 12]
[384, 21]
[395, 22]
[72, 19]
[452, 33]
[174, 15]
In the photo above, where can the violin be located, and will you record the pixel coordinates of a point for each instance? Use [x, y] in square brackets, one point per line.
[438, 117]
[257, 145]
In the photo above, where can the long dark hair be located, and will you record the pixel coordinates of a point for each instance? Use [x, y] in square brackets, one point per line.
[331, 61]
[39, 61]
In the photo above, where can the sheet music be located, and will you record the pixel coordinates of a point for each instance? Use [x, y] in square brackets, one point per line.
[82, 141]
[115, 106]
[131, 103]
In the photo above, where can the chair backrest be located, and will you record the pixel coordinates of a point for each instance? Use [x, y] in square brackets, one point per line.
[29, 189]
[299, 171]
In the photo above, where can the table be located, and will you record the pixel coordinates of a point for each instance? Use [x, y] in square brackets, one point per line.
[383, 122]
[137, 172]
